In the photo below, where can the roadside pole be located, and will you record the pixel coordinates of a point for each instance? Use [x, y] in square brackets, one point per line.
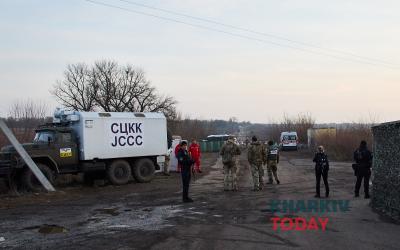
[26, 158]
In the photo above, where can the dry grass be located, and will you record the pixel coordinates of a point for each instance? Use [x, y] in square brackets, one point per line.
[340, 146]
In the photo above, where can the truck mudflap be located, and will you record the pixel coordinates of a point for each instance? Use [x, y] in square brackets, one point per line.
[160, 163]
[5, 167]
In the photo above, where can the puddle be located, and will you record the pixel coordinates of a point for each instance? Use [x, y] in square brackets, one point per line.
[31, 228]
[111, 211]
[199, 213]
[118, 226]
[149, 218]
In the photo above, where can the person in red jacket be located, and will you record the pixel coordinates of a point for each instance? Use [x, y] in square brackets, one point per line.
[177, 148]
[195, 153]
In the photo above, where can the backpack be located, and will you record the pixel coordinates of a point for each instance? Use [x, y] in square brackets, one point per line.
[228, 156]
[256, 153]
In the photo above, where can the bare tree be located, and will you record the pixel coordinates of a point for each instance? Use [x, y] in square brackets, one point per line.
[75, 91]
[24, 116]
[25, 110]
[109, 87]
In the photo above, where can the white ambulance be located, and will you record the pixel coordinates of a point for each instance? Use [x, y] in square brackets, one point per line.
[289, 141]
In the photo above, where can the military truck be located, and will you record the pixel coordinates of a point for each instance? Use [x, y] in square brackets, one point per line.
[113, 145]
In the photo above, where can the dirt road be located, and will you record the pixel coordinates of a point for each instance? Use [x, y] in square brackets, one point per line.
[151, 216]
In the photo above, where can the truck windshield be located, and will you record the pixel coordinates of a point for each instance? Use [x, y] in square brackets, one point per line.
[44, 136]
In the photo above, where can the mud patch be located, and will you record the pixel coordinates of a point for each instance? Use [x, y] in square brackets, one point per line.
[52, 229]
[48, 229]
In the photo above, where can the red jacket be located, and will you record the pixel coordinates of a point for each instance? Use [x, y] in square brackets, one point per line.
[177, 149]
[194, 151]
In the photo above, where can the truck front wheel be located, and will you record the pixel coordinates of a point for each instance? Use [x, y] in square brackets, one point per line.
[144, 170]
[119, 172]
[30, 182]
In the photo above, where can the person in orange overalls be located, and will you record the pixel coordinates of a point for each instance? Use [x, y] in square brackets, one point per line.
[195, 153]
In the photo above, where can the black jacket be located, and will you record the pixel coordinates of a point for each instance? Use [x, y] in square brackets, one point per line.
[363, 157]
[184, 158]
[321, 161]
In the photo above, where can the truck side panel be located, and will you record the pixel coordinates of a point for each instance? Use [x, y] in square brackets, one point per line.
[121, 136]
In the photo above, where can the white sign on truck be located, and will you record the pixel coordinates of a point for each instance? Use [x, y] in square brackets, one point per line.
[126, 134]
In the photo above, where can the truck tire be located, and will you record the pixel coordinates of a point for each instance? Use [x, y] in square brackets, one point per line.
[144, 170]
[31, 183]
[119, 172]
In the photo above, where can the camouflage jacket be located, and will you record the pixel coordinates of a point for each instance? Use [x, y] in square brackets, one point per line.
[229, 151]
[256, 153]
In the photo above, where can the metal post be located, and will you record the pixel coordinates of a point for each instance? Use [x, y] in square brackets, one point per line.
[25, 156]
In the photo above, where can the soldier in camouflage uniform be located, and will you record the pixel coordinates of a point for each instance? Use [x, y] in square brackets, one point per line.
[256, 156]
[229, 153]
[272, 162]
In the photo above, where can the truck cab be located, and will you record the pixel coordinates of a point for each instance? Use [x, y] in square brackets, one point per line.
[58, 145]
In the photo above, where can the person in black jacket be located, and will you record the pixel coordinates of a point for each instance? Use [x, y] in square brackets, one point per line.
[363, 159]
[321, 169]
[186, 164]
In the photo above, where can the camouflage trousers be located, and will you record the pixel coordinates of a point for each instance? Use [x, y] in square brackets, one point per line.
[230, 177]
[272, 168]
[257, 172]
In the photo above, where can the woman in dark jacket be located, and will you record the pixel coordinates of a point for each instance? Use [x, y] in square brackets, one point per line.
[321, 169]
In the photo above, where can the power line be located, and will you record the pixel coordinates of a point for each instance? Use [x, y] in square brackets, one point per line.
[259, 33]
[238, 35]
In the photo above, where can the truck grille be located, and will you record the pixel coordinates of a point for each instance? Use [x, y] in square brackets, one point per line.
[5, 157]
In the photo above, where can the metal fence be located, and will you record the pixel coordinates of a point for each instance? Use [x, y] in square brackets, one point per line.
[211, 146]
[386, 169]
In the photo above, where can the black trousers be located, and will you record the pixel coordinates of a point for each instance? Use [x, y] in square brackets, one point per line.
[186, 176]
[318, 173]
[363, 174]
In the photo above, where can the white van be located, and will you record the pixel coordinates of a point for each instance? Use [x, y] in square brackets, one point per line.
[289, 141]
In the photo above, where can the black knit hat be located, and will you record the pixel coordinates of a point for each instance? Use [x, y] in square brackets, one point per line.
[363, 144]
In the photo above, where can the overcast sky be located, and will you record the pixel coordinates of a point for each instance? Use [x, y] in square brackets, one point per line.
[213, 74]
